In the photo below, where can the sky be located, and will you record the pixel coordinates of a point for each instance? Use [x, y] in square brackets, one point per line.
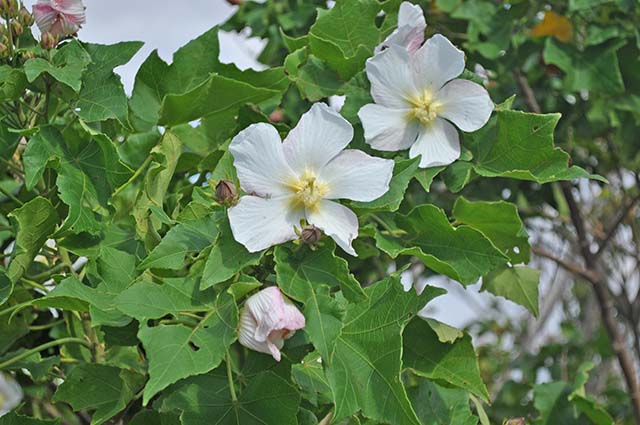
[166, 26]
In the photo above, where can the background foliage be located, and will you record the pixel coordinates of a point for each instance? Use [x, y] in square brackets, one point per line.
[121, 282]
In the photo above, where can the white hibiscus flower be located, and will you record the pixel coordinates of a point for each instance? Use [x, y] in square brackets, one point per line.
[300, 178]
[417, 98]
[410, 31]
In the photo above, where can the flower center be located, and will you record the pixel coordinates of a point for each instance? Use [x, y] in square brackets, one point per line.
[424, 108]
[308, 191]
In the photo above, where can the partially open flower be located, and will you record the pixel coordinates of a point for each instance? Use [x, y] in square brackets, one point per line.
[301, 178]
[267, 320]
[417, 98]
[59, 17]
[10, 394]
[410, 31]
[226, 192]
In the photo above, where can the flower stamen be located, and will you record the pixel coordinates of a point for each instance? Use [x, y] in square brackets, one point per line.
[425, 108]
[308, 191]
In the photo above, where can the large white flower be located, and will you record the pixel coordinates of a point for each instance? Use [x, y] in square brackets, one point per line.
[300, 178]
[410, 31]
[267, 320]
[417, 98]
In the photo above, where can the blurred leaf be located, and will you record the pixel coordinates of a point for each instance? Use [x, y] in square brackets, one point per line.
[517, 284]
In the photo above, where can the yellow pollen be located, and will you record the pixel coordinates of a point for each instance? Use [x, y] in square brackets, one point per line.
[308, 191]
[424, 108]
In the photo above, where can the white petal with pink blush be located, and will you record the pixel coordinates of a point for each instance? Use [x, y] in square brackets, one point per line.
[300, 179]
[418, 100]
[267, 320]
[410, 31]
[59, 17]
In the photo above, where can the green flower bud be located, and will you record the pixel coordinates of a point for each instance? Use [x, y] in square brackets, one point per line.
[48, 41]
[9, 8]
[26, 18]
[16, 28]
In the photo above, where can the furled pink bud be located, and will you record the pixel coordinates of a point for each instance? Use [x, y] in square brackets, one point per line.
[16, 29]
[59, 17]
[267, 319]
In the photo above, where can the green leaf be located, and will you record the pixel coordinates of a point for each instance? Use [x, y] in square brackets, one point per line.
[445, 332]
[36, 220]
[517, 284]
[148, 300]
[314, 78]
[594, 69]
[366, 365]
[550, 400]
[436, 405]
[462, 253]
[102, 96]
[520, 145]
[426, 176]
[458, 175]
[67, 65]
[452, 363]
[268, 399]
[175, 352]
[227, 258]
[12, 418]
[345, 35]
[218, 98]
[403, 172]
[498, 221]
[585, 403]
[310, 377]
[12, 83]
[185, 238]
[106, 389]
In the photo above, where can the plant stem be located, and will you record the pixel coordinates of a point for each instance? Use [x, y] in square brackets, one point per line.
[134, 176]
[10, 196]
[54, 343]
[45, 326]
[232, 389]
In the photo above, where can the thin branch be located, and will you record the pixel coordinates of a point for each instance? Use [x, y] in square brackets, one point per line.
[576, 269]
[527, 92]
[614, 226]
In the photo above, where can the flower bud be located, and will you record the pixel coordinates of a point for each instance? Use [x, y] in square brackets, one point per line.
[10, 394]
[28, 54]
[234, 2]
[9, 8]
[3, 30]
[3, 50]
[226, 192]
[267, 319]
[26, 18]
[515, 421]
[310, 235]
[48, 41]
[16, 28]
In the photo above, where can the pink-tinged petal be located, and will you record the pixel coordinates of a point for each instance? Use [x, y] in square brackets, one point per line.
[436, 62]
[45, 16]
[267, 308]
[391, 78]
[336, 221]
[387, 129]
[357, 176]
[410, 31]
[246, 331]
[59, 17]
[466, 104]
[319, 136]
[260, 162]
[438, 143]
[259, 223]
[293, 319]
[74, 9]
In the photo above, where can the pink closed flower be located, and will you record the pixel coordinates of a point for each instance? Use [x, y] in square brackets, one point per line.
[59, 17]
[267, 319]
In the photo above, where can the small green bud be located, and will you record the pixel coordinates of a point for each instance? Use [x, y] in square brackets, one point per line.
[16, 28]
[226, 192]
[26, 18]
[48, 41]
[9, 8]
[3, 50]
[3, 30]
[28, 54]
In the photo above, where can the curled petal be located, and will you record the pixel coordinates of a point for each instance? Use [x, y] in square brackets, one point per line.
[337, 221]
[10, 394]
[410, 31]
[438, 143]
[387, 129]
[319, 136]
[391, 78]
[59, 17]
[260, 162]
[259, 223]
[436, 62]
[357, 176]
[466, 104]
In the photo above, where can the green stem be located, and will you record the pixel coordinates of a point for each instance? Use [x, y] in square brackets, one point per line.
[232, 388]
[10, 196]
[45, 275]
[134, 176]
[15, 307]
[42, 347]
[9, 36]
[33, 284]
[45, 326]
[64, 255]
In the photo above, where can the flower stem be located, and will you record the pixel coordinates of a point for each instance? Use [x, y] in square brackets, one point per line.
[42, 347]
[232, 389]
[134, 176]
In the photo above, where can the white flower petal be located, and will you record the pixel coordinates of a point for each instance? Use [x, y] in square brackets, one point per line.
[391, 79]
[260, 162]
[387, 129]
[436, 62]
[410, 31]
[10, 394]
[259, 223]
[319, 136]
[267, 308]
[337, 221]
[438, 143]
[357, 176]
[465, 103]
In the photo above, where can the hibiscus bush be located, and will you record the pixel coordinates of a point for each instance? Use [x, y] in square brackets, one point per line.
[255, 247]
